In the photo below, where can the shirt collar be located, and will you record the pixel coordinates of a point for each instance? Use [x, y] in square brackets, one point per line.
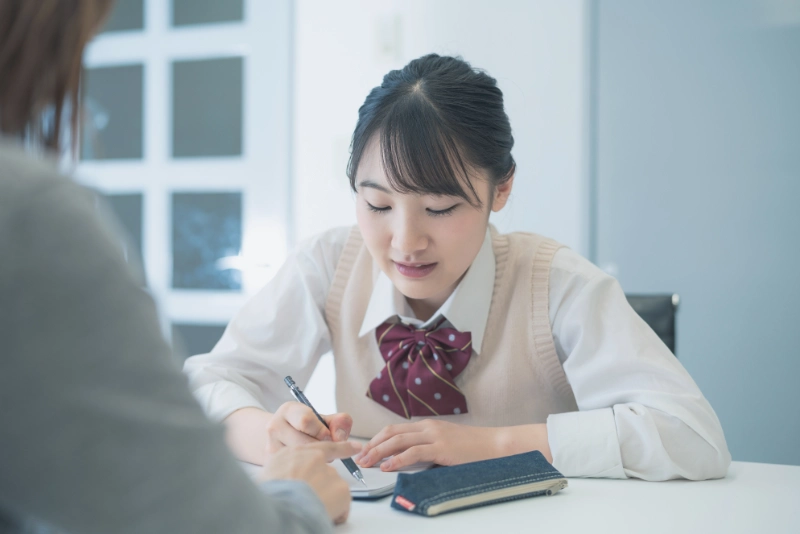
[467, 308]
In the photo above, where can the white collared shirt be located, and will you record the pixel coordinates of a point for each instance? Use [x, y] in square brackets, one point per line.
[664, 430]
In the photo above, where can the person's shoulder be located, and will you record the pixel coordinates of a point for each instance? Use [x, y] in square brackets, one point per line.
[329, 242]
[571, 274]
[50, 233]
[568, 262]
[33, 193]
[325, 246]
[24, 179]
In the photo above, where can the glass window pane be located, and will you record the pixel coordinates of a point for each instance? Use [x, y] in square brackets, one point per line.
[207, 107]
[206, 229]
[126, 15]
[193, 339]
[112, 126]
[188, 12]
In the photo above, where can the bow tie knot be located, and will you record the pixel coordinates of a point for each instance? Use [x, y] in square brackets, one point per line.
[419, 335]
[417, 379]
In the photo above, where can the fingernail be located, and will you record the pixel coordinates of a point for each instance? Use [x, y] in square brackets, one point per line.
[341, 435]
[326, 437]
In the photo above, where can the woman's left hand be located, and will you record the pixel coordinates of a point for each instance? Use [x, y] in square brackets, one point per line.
[431, 440]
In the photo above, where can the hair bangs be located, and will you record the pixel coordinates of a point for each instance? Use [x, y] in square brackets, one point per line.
[439, 125]
[420, 154]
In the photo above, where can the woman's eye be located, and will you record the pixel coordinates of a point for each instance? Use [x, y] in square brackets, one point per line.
[447, 211]
[377, 209]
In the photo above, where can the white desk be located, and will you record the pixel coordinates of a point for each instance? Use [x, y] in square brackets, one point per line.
[753, 498]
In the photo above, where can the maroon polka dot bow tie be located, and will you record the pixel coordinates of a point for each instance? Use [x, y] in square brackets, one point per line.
[421, 364]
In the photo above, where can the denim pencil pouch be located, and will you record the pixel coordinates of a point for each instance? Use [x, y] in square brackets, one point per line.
[448, 489]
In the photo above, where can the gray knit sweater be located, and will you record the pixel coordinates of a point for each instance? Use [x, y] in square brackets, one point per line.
[98, 430]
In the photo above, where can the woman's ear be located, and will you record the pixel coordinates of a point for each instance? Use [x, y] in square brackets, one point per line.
[501, 194]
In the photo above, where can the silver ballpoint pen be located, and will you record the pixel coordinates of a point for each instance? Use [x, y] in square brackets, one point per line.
[298, 394]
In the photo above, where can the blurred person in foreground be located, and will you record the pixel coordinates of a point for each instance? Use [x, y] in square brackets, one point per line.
[98, 429]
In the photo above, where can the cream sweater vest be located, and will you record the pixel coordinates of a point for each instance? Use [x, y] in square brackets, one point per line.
[515, 379]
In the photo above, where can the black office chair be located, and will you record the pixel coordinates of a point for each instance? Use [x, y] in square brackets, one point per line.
[658, 311]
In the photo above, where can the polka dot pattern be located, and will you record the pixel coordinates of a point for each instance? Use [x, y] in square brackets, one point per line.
[419, 360]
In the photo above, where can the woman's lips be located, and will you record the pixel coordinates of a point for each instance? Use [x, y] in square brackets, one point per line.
[415, 270]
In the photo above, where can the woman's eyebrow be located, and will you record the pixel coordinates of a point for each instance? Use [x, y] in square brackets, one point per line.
[374, 185]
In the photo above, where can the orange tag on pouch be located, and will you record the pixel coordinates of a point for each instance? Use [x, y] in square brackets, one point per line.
[405, 503]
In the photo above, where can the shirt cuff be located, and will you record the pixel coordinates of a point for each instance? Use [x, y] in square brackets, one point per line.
[221, 399]
[585, 444]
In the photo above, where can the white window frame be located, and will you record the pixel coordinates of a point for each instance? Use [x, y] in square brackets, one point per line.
[262, 173]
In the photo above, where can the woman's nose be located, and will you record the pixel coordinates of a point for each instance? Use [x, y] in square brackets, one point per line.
[409, 239]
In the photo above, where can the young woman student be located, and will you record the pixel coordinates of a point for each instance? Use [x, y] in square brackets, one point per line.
[454, 343]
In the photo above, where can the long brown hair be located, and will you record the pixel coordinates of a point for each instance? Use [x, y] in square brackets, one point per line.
[41, 55]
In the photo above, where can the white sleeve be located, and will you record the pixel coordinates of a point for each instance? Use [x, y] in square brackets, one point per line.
[641, 414]
[281, 331]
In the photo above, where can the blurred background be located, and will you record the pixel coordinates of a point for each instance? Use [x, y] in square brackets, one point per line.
[660, 139]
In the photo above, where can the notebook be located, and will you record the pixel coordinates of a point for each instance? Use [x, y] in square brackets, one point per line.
[379, 483]
[448, 489]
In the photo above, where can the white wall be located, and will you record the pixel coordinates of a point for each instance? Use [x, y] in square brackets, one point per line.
[535, 49]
